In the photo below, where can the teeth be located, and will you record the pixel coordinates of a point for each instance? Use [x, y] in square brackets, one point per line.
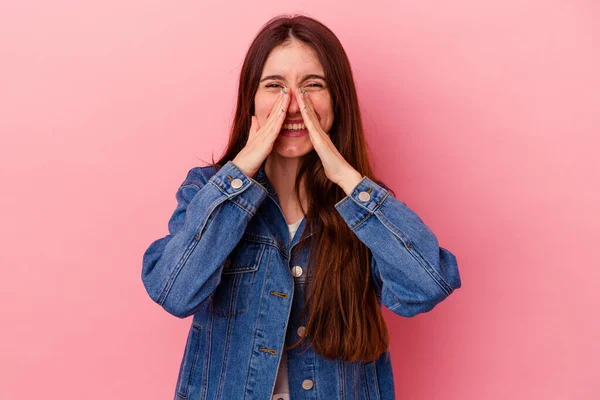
[294, 126]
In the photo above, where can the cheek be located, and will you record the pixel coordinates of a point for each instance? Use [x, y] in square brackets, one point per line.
[263, 106]
[322, 105]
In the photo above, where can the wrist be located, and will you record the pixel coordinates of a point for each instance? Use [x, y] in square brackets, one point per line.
[239, 165]
[350, 181]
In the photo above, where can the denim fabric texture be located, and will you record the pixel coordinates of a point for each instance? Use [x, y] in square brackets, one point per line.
[228, 262]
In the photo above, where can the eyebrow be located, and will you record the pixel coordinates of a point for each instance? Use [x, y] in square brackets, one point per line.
[306, 77]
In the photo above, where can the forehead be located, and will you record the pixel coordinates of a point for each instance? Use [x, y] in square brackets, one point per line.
[292, 59]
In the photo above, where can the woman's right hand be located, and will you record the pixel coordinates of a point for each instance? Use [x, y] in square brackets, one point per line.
[261, 139]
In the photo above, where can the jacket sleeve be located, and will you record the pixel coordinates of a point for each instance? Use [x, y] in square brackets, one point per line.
[181, 270]
[411, 273]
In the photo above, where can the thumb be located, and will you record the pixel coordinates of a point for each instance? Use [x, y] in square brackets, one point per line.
[254, 125]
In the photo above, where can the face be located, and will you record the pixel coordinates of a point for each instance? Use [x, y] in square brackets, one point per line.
[291, 65]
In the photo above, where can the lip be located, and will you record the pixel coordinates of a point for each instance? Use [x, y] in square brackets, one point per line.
[293, 121]
[293, 133]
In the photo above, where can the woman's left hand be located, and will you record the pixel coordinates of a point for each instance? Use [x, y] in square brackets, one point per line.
[337, 169]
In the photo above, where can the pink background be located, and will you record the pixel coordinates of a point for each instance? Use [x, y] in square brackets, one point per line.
[483, 115]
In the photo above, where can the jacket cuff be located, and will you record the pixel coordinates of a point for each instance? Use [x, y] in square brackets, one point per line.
[363, 200]
[239, 187]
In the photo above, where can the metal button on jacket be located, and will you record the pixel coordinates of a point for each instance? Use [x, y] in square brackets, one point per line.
[307, 384]
[236, 183]
[364, 196]
[301, 331]
[297, 271]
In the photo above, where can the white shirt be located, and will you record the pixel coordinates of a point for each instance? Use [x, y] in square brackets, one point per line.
[282, 388]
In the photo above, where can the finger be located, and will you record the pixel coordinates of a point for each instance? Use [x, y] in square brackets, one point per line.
[281, 114]
[307, 117]
[310, 108]
[318, 137]
[276, 109]
[310, 119]
[284, 107]
[254, 127]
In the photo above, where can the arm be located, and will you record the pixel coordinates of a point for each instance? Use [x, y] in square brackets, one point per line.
[181, 270]
[411, 272]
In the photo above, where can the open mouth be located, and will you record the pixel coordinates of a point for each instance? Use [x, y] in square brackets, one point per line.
[293, 130]
[295, 126]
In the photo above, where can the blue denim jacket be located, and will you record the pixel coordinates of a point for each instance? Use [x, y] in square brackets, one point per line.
[227, 261]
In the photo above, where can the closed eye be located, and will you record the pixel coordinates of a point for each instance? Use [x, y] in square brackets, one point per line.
[272, 85]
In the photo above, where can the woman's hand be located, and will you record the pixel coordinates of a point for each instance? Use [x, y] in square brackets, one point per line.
[261, 139]
[336, 167]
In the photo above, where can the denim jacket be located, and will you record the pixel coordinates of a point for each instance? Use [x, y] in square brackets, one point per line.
[228, 262]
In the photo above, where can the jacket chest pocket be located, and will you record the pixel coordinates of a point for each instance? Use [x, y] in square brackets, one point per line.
[232, 294]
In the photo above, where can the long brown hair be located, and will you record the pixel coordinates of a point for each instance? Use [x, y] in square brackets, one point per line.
[344, 319]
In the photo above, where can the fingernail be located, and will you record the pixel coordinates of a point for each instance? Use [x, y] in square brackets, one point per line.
[282, 110]
[284, 91]
[286, 85]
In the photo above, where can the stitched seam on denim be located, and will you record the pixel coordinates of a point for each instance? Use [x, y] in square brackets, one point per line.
[280, 246]
[182, 260]
[378, 287]
[232, 199]
[289, 309]
[356, 379]
[314, 375]
[216, 183]
[369, 212]
[259, 185]
[250, 237]
[181, 384]
[281, 249]
[377, 206]
[435, 276]
[341, 374]
[198, 338]
[342, 201]
[173, 276]
[207, 355]
[248, 268]
[255, 328]
[374, 367]
[349, 195]
[234, 280]
[225, 354]
[187, 183]
[363, 374]
[440, 279]
[237, 282]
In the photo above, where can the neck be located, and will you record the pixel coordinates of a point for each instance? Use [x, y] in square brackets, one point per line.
[282, 172]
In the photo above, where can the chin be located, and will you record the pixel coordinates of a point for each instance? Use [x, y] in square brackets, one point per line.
[292, 148]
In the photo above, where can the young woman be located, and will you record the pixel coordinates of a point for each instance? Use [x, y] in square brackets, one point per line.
[284, 250]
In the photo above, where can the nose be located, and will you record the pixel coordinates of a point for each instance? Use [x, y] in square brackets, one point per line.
[293, 108]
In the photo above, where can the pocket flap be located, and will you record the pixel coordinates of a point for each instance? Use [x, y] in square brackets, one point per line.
[245, 257]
